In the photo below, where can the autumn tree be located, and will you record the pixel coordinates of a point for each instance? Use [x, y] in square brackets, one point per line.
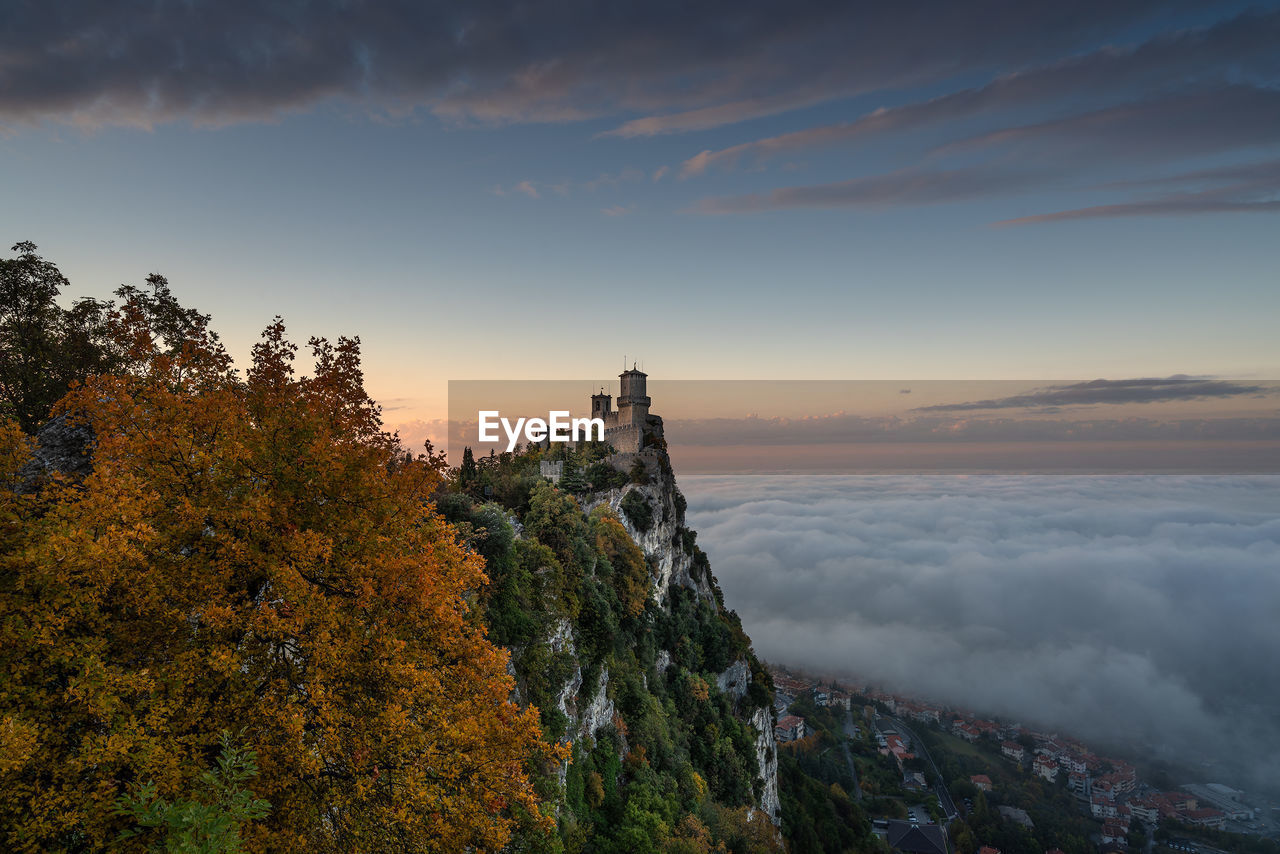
[253, 555]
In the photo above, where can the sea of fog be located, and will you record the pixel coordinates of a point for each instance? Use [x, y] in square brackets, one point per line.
[1142, 610]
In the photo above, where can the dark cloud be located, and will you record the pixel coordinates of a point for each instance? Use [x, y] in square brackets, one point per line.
[1262, 174]
[1125, 608]
[1245, 47]
[1249, 188]
[1142, 390]
[686, 67]
[904, 187]
[1207, 121]
[1084, 88]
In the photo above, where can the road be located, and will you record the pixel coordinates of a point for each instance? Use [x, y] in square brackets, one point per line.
[940, 788]
[850, 730]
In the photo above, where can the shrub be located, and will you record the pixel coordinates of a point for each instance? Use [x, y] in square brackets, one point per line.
[638, 511]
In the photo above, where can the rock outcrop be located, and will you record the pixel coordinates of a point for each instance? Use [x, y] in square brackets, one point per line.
[668, 548]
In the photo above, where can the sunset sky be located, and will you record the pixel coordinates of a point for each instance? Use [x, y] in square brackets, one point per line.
[726, 190]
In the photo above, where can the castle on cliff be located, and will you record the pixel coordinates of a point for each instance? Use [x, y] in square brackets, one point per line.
[630, 428]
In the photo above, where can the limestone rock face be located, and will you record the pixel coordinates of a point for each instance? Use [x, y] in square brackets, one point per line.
[661, 543]
[672, 566]
[767, 757]
[600, 711]
[735, 680]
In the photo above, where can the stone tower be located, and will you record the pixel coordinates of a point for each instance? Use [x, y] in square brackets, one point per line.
[601, 406]
[633, 402]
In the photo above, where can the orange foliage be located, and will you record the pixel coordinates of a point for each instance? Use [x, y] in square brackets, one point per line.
[630, 571]
[256, 556]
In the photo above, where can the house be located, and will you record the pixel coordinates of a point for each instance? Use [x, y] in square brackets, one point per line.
[1100, 806]
[1073, 763]
[912, 838]
[894, 744]
[1045, 767]
[1206, 817]
[789, 728]
[1114, 833]
[982, 781]
[1120, 782]
[1145, 810]
[1012, 750]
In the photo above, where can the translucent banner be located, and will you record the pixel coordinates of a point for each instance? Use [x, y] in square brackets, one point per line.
[1172, 425]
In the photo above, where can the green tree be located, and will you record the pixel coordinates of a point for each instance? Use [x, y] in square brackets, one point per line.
[962, 837]
[209, 822]
[638, 511]
[468, 473]
[572, 479]
[45, 349]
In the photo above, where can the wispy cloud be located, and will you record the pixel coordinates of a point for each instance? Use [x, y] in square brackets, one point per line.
[527, 188]
[1170, 206]
[1140, 390]
[1210, 121]
[1243, 47]
[629, 175]
[1248, 188]
[904, 187]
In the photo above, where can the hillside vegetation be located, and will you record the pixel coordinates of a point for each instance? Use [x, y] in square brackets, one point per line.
[236, 615]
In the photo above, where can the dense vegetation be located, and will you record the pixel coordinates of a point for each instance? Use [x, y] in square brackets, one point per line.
[236, 615]
[819, 812]
[675, 767]
[251, 555]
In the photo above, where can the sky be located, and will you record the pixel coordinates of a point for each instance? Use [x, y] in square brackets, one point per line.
[1136, 610]
[734, 190]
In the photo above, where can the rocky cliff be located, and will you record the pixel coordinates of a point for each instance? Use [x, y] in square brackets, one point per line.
[620, 636]
[676, 563]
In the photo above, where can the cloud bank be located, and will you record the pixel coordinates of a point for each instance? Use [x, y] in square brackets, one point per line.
[979, 100]
[1136, 609]
[683, 67]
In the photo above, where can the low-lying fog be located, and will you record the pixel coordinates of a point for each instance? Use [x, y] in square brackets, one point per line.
[1123, 608]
